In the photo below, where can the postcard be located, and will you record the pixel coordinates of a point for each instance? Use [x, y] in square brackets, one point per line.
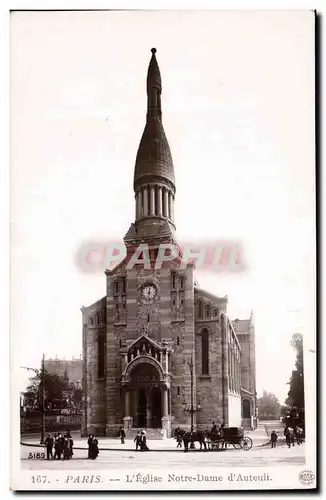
[163, 285]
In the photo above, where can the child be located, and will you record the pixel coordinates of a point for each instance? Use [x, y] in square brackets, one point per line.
[273, 439]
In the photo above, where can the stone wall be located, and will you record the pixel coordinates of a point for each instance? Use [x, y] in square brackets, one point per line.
[172, 318]
[94, 399]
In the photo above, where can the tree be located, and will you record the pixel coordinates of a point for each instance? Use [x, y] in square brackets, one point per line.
[54, 387]
[59, 393]
[268, 406]
[296, 383]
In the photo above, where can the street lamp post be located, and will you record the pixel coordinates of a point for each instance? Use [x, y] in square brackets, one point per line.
[42, 394]
[191, 410]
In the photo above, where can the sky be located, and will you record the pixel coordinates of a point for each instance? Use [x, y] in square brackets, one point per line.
[238, 112]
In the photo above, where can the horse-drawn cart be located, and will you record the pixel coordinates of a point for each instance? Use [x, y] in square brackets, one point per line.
[231, 435]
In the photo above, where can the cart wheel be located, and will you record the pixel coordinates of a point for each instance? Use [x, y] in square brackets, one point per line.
[247, 443]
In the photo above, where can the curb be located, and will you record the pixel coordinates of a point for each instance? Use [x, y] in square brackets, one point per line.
[169, 450]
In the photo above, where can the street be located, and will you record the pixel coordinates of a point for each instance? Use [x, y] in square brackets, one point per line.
[116, 456]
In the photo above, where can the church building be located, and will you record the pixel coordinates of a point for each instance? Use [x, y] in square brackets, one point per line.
[160, 352]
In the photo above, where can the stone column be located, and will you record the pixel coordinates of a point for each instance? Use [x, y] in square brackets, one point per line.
[145, 201]
[164, 402]
[127, 404]
[166, 419]
[159, 201]
[170, 206]
[166, 203]
[152, 200]
[232, 369]
[127, 421]
[138, 205]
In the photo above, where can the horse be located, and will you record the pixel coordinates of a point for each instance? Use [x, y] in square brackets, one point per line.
[190, 437]
[289, 436]
[178, 434]
[299, 435]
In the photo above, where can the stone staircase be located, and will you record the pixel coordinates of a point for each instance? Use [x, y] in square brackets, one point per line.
[150, 433]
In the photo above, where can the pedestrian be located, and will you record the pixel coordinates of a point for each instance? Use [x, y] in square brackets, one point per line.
[179, 437]
[49, 446]
[94, 451]
[89, 444]
[137, 440]
[273, 439]
[59, 446]
[224, 443]
[66, 449]
[71, 444]
[122, 435]
[54, 441]
[143, 442]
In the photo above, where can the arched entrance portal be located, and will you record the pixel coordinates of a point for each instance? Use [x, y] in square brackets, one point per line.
[145, 396]
[246, 408]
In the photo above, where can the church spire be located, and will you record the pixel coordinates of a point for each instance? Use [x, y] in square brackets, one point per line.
[154, 89]
[154, 183]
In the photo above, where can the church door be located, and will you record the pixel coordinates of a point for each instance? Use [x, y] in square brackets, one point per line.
[142, 408]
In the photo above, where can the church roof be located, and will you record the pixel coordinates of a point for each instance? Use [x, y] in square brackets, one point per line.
[154, 155]
[204, 293]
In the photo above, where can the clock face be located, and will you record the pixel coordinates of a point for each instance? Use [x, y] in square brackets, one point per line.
[149, 292]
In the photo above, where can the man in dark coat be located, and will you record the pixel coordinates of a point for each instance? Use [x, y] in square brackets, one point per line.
[59, 444]
[122, 435]
[294, 414]
[137, 440]
[71, 444]
[89, 444]
[49, 446]
[214, 428]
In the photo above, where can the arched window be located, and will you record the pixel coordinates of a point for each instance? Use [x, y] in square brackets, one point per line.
[216, 313]
[116, 288]
[246, 408]
[200, 310]
[208, 311]
[100, 356]
[182, 282]
[91, 321]
[123, 282]
[173, 280]
[204, 351]
[97, 318]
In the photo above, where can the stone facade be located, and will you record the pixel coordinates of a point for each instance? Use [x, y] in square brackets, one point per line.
[157, 345]
[245, 331]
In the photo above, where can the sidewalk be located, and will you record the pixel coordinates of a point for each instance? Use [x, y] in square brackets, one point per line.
[258, 438]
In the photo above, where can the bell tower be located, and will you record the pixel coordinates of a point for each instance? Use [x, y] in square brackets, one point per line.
[154, 183]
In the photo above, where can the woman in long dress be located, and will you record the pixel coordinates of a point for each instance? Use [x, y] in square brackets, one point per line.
[94, 449]
[143, 442]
